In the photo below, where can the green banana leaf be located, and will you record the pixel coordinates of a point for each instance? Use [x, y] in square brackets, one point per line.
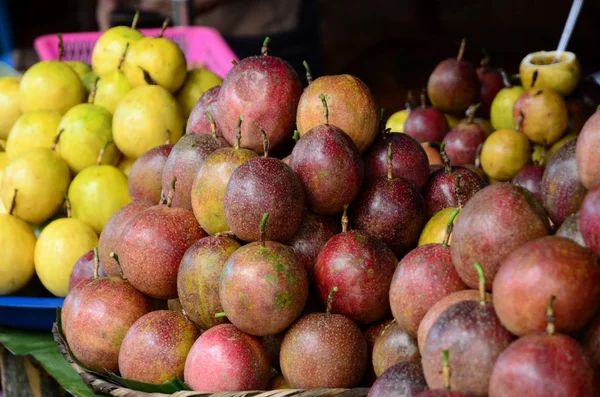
[42, 347]
[168, 387]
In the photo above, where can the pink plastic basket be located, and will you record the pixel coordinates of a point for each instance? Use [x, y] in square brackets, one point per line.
[201, 46]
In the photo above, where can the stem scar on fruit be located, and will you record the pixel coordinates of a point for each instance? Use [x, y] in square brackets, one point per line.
[56, 139]
[238, 133]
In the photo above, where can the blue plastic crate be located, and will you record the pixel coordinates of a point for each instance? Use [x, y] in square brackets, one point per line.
[28, 312]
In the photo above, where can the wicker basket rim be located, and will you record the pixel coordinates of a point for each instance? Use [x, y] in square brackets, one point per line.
[99, 385]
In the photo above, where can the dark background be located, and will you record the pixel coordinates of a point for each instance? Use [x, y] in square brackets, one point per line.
[391, 45]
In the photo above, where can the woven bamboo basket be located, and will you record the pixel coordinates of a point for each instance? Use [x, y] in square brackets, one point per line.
[99, 385]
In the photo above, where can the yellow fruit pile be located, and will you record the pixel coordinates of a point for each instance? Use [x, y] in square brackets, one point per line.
[69, 133]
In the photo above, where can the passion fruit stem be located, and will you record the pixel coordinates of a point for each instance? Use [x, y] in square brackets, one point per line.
[122, 59]
[163, 198]
[147, 78]
[485, 61]
[550, 328]
[265, 47]
[345, 219]
[168, 132]
[325, 108]
[446, 368]
[461, 50]
[220, 315]
[68, 206]
[263, 227]
[296, 136]
[423, 99]
[136, 18]
[92, 98]
[408, 103]
[96, 263]
[458, 191]
[213, 126]
[505, 78]
[390, 167]
[13, 202]
[164, 27]
[534, 77]
[520, 122]
[61, 46]
[481, 276]
[471, 111]
[265, 140]
[101, 154]
[234, 62]
[184, 314]
[330, 299]
[171, 192]
[309, 76]
[226, 233]
[381, 121]
[119, 268]
[450, 226]
[445, 159]
[238, 133]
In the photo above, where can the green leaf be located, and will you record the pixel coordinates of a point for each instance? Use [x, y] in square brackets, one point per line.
[42, 347]
[168, 387]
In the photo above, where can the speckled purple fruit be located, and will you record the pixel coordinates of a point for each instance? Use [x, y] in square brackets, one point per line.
[440, 191]
[441, 306]
[310, 239]
[539, 365]
[394, 345]
[198, 122]
[491, 83]
[530, 177]
[371, 334]
[423, 277]
[498, 219]
[570, 229]
[152, 248]
[110, 237]
[361, 267]
[562, 191]
[264, 186]
[404, 379]
[145, 177]
[426, 124]
[330, 168]
[263, 288]
[226, 359]
[155, 347]
[462, 142]
[100, 314]
[265, 90]
[539, 269]
[474, 338]
[199, 277]
[391, 210]
[84, 270]
[453, 86]
[323, 351]
[409, 159]
[185, 161]
[589, 220]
